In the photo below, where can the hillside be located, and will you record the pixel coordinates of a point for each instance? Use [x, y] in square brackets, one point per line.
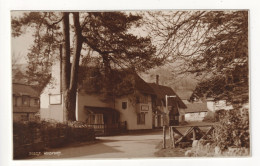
[183, 85]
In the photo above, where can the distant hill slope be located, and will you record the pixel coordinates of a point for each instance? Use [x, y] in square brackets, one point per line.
[181, 84]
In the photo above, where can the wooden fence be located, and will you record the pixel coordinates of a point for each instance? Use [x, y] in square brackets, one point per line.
[109, 129]
[192, 133]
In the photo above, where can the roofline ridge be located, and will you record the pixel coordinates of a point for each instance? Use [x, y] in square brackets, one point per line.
[21, 84]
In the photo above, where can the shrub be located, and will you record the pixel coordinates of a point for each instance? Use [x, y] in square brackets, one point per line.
[37, 136]
[213, 116]
[232, 130]
[210, 117]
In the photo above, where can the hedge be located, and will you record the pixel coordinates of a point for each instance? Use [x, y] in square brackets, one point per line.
[30, 137]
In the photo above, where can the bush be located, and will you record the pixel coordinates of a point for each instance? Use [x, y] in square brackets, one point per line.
[232, 130]
[210, 117]
[213, 116]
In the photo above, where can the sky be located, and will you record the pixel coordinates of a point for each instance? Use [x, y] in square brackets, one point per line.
[21, 44]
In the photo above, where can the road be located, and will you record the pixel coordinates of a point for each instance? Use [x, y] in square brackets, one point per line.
[123, 146]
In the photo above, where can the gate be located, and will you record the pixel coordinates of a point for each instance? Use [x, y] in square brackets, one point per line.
[192, 133]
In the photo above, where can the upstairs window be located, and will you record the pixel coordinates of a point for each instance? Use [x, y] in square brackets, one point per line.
[14, 101]
[25, 100]
[36, 102]
[124, 105]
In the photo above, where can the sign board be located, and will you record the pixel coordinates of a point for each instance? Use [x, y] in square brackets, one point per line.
[144, 108]
[55, 99]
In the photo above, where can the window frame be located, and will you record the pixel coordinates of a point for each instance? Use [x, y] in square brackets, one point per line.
[36, 101]
[24, 98]
[14, 101]
[122, 105]
[95, 119]
[141, 118]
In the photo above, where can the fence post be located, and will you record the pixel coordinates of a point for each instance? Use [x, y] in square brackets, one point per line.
[194, 134]
[172, 137]
[164, 136]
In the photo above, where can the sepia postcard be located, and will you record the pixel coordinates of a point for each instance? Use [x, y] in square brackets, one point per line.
[144, 86]
[130, 84]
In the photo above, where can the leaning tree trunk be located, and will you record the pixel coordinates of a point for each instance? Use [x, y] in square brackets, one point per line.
[70, 75]
[74, 68]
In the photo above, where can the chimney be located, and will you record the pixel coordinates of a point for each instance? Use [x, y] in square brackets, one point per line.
[157, 79]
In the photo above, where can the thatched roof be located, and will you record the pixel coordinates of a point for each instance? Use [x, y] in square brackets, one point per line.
[161, 91]
[196, 107]
[22, 89]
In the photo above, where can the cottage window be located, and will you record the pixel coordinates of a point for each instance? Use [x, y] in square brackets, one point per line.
[91, 119]
[25, 100]
[141, 118]
[95, 119]
[124, 105]
[14, 101]
[36, 101]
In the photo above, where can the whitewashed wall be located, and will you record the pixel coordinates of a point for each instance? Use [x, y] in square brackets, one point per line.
[198, 116]
[130, 114]
[84, 99]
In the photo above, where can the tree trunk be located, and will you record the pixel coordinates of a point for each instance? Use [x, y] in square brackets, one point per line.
[107, 72]
[65, 65]
[72, 91]
[69, 104]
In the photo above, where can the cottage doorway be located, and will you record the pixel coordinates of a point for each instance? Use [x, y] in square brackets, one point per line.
[159, 119]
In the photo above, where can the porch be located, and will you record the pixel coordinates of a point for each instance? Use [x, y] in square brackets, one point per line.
[105, 121]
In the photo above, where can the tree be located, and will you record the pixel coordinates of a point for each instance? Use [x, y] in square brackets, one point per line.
[211, 44]
[106, 34]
